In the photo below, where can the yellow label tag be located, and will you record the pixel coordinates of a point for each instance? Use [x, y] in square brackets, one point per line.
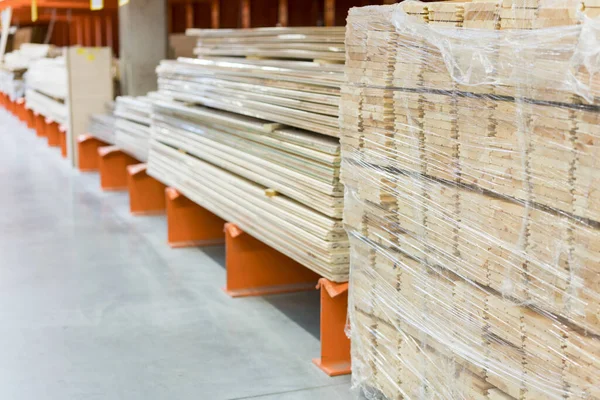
[34, 11]
[123, 2]
[96, 5]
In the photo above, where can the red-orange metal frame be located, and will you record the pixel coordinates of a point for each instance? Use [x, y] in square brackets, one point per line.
[62, 132]
[52, 133]
[255, 269]
[335, 345]
[87, 147]
[190, 225]
[40, 125]
[112, 165]
[146, 194]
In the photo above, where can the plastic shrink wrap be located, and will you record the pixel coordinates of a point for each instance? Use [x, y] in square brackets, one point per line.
[471, 160]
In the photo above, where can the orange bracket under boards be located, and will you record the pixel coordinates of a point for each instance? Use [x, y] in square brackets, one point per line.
[255, 269]
[40, 125]
[30, 119]
[52, 133]
[87, 147]
[112, 164]
[335, 345]
[146, 194]
[190, 225]
[62, 138]
[20, 104]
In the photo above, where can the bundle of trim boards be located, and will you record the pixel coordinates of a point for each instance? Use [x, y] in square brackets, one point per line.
[249, 130]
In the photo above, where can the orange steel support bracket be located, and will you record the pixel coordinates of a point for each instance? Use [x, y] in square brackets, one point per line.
[112, 164]
[255, 269]
[62, 135]
[146, 194]
[30, 119]
[40, 125]
[190, 225]
[88, 146]
[20, 105]
[335, 345]
[52, 133]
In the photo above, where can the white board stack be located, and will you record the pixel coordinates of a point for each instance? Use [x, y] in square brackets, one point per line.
[47, 88]
[132, 125]
[103, 125]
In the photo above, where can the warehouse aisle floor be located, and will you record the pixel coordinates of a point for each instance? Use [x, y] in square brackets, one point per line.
[95, 305]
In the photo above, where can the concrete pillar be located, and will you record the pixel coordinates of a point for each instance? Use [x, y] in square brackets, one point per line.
[143, 40]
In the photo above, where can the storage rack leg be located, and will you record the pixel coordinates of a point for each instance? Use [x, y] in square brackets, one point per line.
[112, 164]
[62, 137]
[190, 225]
[87, 147]
[255, 269]
[146, 194]
[40, 125]
[335, 345]
[30, 119]
[53, 134]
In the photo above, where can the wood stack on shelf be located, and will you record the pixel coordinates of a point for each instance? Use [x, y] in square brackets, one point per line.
[264, 129]
[47, 89]
[132, 125]
[14, 66]
[102, 126]
[469, 157]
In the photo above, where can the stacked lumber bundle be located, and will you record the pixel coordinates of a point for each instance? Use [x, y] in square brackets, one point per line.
[47, 88]
[14, 66]
[103, 126]
[320, 43]
[470, 161]
[255, 140]
[132, 125]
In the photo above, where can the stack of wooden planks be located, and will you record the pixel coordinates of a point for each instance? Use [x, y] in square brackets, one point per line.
[14, 66]
[103, 126]
[46, 91]
[251, 133]
[132, 125]
[470, 162]
[319, 43]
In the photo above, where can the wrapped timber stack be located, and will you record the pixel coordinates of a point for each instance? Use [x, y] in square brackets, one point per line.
[103, 126]
[471, 160]
[46, 91]
[251, 134]
[132, 125]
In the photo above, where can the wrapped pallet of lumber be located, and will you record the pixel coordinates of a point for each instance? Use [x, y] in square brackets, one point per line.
[470, 148]
[103, 126]
[132, 125]
[47, 90]
[251, 133]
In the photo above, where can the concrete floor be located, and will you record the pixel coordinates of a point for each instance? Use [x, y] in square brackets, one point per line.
[95, 305]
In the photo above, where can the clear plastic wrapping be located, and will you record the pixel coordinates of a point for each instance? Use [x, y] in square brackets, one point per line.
[470, 157]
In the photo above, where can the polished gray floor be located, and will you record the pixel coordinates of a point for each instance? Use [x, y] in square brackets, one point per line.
[95, 305]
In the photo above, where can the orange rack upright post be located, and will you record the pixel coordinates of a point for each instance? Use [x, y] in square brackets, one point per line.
[146, 194]
[30, 119]
[62, 137]
[87, 147]
[52, 133]
[335, 345]
[20, 104]
[112, 164]
[40, 125]
[256, 269]
[190, 225]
